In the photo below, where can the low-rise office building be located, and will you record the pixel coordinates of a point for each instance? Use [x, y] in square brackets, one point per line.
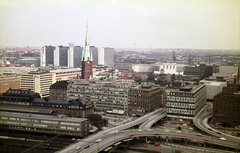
[107, 96]
[184, 103]
[201, 70]
[58, 90]
[144, 99]
[9, 81]
[44, 123]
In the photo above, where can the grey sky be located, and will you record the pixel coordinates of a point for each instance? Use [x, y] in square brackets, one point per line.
[201, 24]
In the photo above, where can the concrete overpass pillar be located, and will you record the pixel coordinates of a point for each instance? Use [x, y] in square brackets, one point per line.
[185, 141]
[204, 144]
[167, 139]
[146, 139]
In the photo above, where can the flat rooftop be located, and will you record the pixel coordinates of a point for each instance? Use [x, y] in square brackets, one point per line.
[42, 117]
[26, 110]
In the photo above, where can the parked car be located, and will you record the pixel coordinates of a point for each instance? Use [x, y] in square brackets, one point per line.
[178, 131]
[78, 147]
[98, 140]
[206, 139]
[87, 146]
[209, 129]
[157, 144]
[199, 134]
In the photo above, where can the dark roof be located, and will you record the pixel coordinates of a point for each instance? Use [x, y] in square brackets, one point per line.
[20, 93]
[77, 102]
[60, 85]
[26, 110]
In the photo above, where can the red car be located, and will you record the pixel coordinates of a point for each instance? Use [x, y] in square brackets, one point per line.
[157, 144]
[131, 134]
[206, 139]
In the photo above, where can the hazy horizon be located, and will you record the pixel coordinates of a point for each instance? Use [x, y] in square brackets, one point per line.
[186, 24]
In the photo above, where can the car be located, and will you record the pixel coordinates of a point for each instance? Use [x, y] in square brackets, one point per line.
[184, 124]
[222, 138]
[199, 134]
[78, 147]
[98, 140]
[149, 130]
[131, 134]
[206, 139]
[191, 128]
[148, 141]
[178, 131]
[166, 130]
[140, 130]
[168, 123]
[218, 133]
[209, 129]
[87, 146]
[156, 133]
[157, 144]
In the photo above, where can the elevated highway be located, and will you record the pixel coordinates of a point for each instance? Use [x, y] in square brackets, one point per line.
[201, 122]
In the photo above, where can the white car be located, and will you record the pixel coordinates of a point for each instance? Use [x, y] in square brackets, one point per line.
[184, 124]
[140, 130]
[166, 130]
[98, 140]
[78, 147]
[191, 128]
[222, 138]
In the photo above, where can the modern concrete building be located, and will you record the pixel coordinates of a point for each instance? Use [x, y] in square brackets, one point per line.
[37, 81]
[214, 87]
[170, 68]
[184, 103]
[226, 106]
[9, 81]
[94, 51]
[69, 56]
[145, 68]
[144, 99]
[106, 57]
[201, 70]
[108, 96]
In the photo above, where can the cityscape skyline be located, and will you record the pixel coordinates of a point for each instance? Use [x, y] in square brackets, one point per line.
[122, 24]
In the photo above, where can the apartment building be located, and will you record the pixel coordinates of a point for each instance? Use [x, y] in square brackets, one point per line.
[107, 96]
[185, 102]
[144, 99]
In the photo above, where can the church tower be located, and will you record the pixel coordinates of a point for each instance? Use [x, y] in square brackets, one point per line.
[87, 60]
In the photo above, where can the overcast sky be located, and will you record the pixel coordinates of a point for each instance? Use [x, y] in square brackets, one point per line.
[196, 24]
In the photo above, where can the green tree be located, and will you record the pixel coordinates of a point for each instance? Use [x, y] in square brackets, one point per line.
[139, 80]
[179, 128]
[150, 78]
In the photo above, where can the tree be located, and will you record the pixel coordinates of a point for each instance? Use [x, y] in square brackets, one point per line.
[137, 79]
[179, 128]
[150, 78]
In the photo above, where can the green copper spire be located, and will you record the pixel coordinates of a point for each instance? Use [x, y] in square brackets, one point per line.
[87, 54]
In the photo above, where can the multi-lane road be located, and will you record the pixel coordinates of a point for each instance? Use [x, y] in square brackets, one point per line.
[115, 134]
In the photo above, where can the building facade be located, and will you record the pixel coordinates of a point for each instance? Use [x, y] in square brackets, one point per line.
[185, 102]
[107, 96]
[27, 99]
[37, 81]
[58, 90]
[9, 81]
[144, 99]
[226, 106]
[44, 123]
[201, 70]
[106, 57]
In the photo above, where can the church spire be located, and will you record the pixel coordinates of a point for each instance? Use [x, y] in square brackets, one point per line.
[87, 54]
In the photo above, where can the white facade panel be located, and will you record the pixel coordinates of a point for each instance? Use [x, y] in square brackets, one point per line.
[101, 56]
[56, 56]
[43, 57]
[70, 57]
